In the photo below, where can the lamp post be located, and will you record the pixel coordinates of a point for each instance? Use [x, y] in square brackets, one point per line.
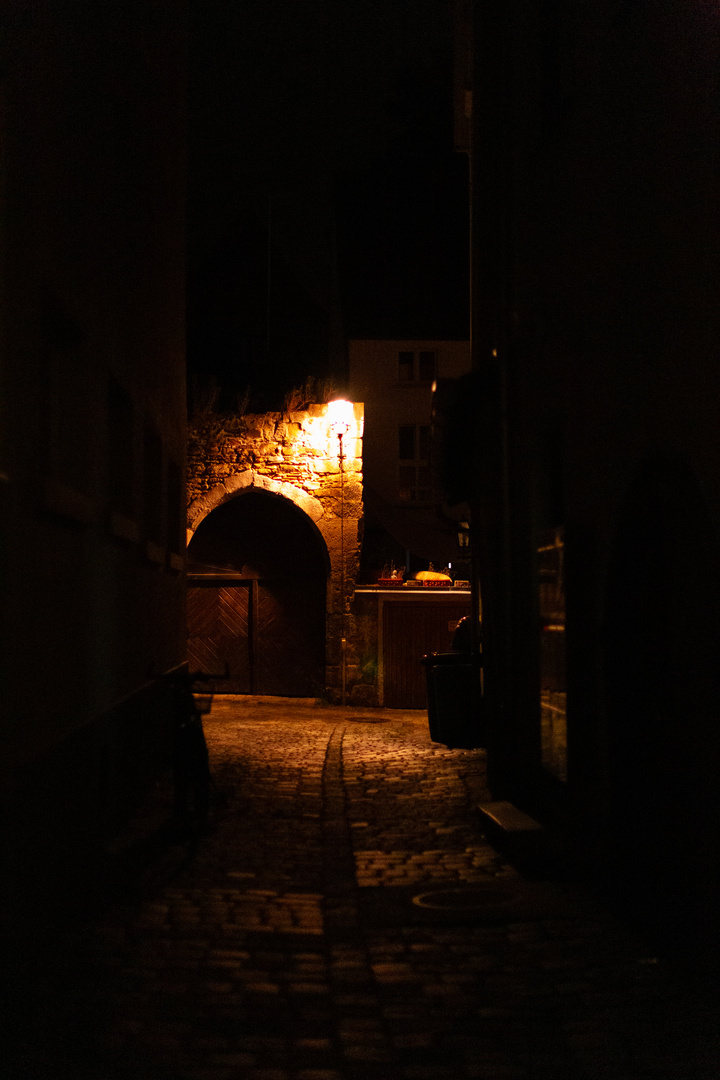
[340, 414]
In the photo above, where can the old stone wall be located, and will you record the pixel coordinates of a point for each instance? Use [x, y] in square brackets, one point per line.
[295, 455]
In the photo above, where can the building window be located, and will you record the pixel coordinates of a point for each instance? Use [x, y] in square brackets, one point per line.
[414, 464]
[422, 371]
[424, 443]
[406, 366]
[427, 367]
[406, 442]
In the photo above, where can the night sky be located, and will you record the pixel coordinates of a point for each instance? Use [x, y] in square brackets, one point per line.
[320, 146]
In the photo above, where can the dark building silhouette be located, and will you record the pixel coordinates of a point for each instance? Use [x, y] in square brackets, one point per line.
[93, 429]
[588, 431]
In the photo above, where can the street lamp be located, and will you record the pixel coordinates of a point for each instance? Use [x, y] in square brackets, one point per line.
[340, 415]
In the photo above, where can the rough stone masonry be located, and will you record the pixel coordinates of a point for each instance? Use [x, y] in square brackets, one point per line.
[295, 455]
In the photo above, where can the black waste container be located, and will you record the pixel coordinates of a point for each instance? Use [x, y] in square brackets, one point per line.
[454, 699]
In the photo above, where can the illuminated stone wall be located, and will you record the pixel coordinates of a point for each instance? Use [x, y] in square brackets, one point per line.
[294, 455]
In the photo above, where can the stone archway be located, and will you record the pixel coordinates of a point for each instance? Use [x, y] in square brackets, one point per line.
[232, 485]
[293, 457]
[257, 580]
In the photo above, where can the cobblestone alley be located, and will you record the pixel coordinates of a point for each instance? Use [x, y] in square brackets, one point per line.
[313, 935]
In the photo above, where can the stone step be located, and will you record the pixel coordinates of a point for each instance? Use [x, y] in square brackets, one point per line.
[508, 818]
[534, 850]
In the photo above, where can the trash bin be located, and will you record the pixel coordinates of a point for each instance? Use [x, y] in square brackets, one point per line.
[454, 699]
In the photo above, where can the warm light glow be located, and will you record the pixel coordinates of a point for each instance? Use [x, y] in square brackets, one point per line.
[340, 414]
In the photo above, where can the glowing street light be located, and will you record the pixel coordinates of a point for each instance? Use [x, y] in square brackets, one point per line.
[340, 416]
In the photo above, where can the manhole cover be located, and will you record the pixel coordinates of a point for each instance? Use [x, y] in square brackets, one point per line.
[457, 899]
[457, 903]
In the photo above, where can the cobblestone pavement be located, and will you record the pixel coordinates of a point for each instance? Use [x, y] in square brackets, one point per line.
[345, 919]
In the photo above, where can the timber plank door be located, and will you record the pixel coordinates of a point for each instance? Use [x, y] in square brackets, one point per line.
[220, 632]
[267, 634]
[290, 630]
[411, 630]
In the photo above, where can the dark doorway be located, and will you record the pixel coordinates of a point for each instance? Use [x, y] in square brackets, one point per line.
[256, 598]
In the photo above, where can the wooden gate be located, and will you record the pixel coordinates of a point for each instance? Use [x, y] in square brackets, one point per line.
[268, 635]
[410, 631]
[219, 632]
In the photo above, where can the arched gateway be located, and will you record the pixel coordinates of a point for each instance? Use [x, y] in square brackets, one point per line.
[256, 597]
[273, 552]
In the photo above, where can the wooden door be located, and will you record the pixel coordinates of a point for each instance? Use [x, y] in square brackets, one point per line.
[219, 633]
[268, 635]
[411, 630]
[290, 653]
